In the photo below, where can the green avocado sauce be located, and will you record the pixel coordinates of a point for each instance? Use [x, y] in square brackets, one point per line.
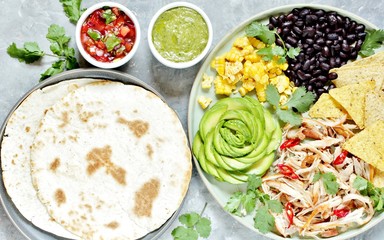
[180, 34]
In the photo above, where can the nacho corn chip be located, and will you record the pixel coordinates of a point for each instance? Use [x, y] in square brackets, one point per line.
[374, 107]
[352, 98]
[326, 107]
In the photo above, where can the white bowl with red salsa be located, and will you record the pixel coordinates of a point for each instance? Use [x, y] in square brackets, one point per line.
[107, 35]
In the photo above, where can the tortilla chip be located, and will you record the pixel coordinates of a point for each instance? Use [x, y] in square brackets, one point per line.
[378, 177]
[352, 98]
[369, 145]
[326, 107]
[353, 75]
[374, 107]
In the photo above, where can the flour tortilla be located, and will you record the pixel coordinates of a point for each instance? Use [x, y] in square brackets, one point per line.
[111, 161]
[15, 153]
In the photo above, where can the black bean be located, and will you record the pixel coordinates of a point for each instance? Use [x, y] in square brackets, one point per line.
[325, 66]
[345, 48]
[332, 75]
[317, 72]
[358, 44]
[296, 66]
[299, 23]
[281, 18]
[285, 32]
[291, 41]
[317, 47]
[310, 19]
[301, 75]
[332, 36]
[332, 20]
[287, 24]
[332, 62]
[343, 55]
[351, 37]
[306, 65]
[297, 30]
[304, 12]
[353, 54]
[320, 41]
[322, 78]
[325, 51]
[274, 21]
[361, 35]
[309, 32]
[319, 84]
[310, 88]
[291, 17]
[360, 28]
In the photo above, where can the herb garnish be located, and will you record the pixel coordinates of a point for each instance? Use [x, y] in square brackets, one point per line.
[194, 226]
[329, 180]
[109, 16]
[373, 40]
[59, 46]
[366, 188]
[243, 203]
[262, 32]
[299, 102]
[72, 9]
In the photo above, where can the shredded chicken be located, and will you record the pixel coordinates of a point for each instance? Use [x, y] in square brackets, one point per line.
[314, 209]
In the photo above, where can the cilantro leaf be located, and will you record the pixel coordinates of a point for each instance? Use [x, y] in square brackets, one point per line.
[301, 100]
[289, 116]
[233, 204]
[330, 183]
[203, 227]
[249, 201]
[57, 67]
[72, 9]
[109, 16]
[366, 188]
[194, 226]
[183, 233]
[28, 54]
[316, 177]
[262, 32]
[253, 182]
[293, 52]
[360, 183]
[189, 219]
[56, 35]
[373, 40]
[273, 96]
[263, 220]
[275, 206]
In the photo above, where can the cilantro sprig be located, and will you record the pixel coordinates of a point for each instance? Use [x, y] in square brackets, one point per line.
[243, 203]
[262, 32]
[194, 226]
[329, 180]
[30, 52]
[72, 9]
[373, 40]
[366, 188]
[299, 102]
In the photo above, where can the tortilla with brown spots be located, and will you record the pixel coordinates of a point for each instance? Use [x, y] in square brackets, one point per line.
[15, 153]
[124, 162]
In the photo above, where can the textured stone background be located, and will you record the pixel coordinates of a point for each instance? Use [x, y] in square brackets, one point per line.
[28, 20]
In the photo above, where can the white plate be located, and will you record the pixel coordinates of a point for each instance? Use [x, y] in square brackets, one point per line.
[221, 191]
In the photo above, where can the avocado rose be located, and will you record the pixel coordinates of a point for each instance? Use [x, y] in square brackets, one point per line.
[236, 137]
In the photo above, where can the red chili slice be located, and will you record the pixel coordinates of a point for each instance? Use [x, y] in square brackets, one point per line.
[290, 143]
[341, 212]
[340, 159]
[289, 212]
[287, 171]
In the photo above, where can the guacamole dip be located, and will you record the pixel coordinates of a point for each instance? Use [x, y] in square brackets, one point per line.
[180, 34]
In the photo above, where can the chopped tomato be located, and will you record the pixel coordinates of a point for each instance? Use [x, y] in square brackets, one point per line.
[124, 30]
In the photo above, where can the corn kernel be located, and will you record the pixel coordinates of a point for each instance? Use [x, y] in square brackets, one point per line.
[207, 81]
[204, 101]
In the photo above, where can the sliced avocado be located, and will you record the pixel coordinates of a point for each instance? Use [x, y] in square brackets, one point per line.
[257, 153]
[209, 149]
[275, 139]
[262, 165]
[197, 144]
[236, 165]
[226, 176]
[211, 169]
[210, 119]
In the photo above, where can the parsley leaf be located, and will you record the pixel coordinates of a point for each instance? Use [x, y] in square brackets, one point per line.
[329, 180]
[72, 9]
[28, 54]
[373, 40]
[109, 16]
[194, 226]
[256, 29]
[263, 220]
[299, 102]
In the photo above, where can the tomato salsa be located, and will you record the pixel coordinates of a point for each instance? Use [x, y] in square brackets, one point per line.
[108, 34]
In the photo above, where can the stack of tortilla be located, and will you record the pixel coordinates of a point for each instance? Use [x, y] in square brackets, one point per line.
[92, 159]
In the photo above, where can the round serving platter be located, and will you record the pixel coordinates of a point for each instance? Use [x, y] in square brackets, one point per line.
[22, 224]
[222, 191]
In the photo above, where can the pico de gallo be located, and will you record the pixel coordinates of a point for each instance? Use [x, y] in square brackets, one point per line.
[108, 34]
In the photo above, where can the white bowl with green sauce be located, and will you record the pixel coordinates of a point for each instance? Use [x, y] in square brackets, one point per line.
[179, 35]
